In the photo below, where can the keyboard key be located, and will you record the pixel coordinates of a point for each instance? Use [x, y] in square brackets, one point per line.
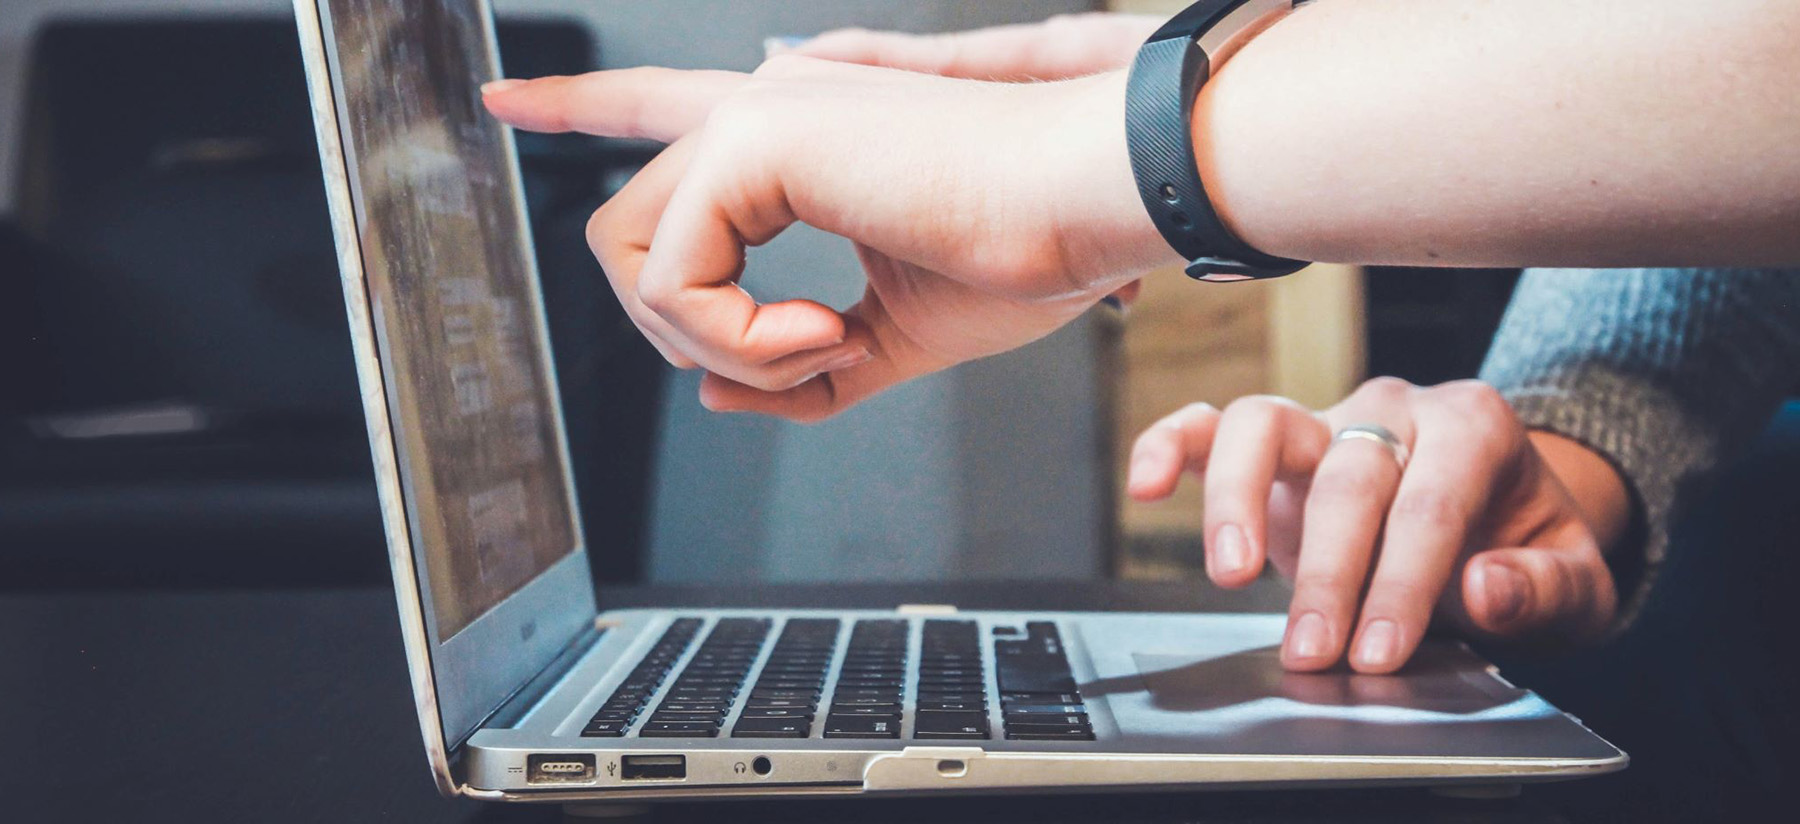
[1008, 698]
[975, 706]
[1034, 674]
[772, 728]
[1043, 709]
[679, 729]
[779, 703]
[950, 725]
[694, 706]
[605, 729]
[861, 726]
[1048, 732]
[955, 695]
[882, 700]
[777, 712]
[1016, 721]
[866, 709]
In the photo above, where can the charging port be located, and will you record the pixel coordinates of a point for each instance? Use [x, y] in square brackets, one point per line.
[559, 769]
[653, 767]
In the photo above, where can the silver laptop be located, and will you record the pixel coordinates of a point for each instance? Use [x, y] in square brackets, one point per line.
[527, 690]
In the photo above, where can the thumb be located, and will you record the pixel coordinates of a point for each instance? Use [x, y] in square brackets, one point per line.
[1522, 592]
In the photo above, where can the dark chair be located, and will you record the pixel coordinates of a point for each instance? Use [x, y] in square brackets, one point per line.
[188, 411]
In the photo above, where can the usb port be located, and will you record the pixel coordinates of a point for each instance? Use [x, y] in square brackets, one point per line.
[653, 767]
[559, 769]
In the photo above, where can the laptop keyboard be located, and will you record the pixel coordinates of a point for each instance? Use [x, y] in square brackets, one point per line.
[786, 695]
[1039, 700]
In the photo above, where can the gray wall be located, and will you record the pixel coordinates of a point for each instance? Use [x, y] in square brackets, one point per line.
[995, 469]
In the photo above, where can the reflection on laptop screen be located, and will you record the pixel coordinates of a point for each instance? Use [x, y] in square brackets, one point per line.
[455, 303]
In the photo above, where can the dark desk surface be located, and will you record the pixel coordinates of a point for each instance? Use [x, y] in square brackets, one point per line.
[293, 706]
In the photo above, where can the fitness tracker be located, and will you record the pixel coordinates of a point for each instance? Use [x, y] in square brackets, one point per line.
[1159, 106]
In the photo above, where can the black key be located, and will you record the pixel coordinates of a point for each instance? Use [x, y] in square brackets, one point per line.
[777, 668]
[614, 715]
[883, 698]
[1043, 709]
[764, 692]
[605, 729]
[687, 718]
[871, 683]
[934, 684]
[1041, 629]
[1049, 732]
[861, 726]
[790, 684]
[1034, 673]
[694, 706]
[777, 712]
[679, 729]
[875, 666]
[892, 710]
[952, 695]
[977, 706]
[949, 674]
[950, 725]
[1008, 698]
[880, 693]
[772, 728]
[1015, 720]
[780, 703]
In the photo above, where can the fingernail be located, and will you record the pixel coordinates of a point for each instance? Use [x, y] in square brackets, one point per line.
[1505, 591]
[1231, 551]
[776, 45]
[1380, 643]
[1141, 465]
[1308, 637]
[851, 358]
[500, 85]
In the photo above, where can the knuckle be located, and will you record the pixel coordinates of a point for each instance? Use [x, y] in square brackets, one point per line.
[599, 228]
[1186, 416]
[1256, 407]
[1472, 400]
[1349, 483]
[789, 65]
[1384, 388]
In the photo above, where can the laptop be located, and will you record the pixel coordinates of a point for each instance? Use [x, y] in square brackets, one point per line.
[528, 690]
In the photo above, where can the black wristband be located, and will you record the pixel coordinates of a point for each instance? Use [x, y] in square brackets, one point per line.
[1159, 104]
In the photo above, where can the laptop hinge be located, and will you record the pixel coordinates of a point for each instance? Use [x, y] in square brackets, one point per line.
[515, 708]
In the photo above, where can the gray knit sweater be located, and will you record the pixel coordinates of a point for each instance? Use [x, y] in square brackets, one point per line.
[1666, 372]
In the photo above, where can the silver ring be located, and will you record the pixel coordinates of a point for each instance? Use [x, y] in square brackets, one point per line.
[1375, 434]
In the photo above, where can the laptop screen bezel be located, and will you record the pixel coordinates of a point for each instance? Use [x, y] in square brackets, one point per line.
[460, 680]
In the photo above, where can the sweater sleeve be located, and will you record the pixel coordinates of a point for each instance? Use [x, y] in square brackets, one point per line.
[1664, 372]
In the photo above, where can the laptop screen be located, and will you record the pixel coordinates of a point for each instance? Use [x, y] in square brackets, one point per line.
[455, 302]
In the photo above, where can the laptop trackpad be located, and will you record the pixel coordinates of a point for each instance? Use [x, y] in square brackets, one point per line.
[1200, 683]
[1244, 702]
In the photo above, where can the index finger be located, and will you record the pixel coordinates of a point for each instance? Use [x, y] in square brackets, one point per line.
[648, 103]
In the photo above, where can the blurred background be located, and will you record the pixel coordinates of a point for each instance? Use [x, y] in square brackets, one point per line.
[178, 405]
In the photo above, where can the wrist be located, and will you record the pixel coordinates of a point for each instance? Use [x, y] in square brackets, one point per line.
[1107, 238]
[1597, 487]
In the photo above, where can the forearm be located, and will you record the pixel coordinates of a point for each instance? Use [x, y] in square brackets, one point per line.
[1512, 132]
